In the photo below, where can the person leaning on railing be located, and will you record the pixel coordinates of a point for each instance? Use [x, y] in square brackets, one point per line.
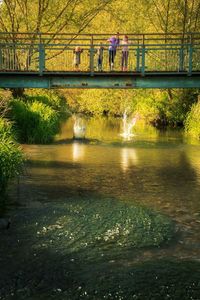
[125, 53]
[114, 43]
[77, 57]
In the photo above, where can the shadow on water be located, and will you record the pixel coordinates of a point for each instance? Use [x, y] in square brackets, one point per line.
[181, 169]
[85, 141]
[51, 164]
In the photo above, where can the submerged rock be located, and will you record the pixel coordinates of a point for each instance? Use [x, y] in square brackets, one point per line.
[4, 223]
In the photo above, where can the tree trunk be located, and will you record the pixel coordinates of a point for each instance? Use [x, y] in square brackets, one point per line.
[17, 92]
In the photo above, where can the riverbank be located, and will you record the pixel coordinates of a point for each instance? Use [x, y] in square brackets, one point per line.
[11, 157]
[170, 108]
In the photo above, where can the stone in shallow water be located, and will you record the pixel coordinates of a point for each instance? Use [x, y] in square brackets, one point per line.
[4, 223]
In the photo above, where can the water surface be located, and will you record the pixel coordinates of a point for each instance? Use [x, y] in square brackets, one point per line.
[157, 169]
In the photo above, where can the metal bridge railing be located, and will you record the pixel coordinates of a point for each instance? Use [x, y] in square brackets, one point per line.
[148, 53]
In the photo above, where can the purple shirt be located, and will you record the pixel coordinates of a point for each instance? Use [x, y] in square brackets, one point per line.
[114, 42]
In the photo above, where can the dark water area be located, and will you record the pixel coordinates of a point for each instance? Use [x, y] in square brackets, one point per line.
[64, 241]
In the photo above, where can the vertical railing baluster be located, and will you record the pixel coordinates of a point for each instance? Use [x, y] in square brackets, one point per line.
[41, 56]
[138, 59]
[181, 57]
[14, 57]
[190, 59]
[92, 56]
[143, 55]
[1, 59]
[143, 60]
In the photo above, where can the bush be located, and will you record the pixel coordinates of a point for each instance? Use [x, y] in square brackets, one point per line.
[11, 157]
[192, 122]
[35, 122]
[52, 101]
[50, 98]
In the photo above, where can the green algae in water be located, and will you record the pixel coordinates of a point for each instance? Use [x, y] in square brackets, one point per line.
[108, 224]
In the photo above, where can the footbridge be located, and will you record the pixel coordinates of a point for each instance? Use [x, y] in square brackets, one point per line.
[49, 60]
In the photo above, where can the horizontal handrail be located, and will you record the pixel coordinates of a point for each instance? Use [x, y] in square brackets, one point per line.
[100, 34]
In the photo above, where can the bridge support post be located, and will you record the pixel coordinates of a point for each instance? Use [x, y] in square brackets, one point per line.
[190, 60]
[181, 59]
[143, 61]
[92, 57]
[138, 60]
[15, 67]
[1, 59]
[41, 59]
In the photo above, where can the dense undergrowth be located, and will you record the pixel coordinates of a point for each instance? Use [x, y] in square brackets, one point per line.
[160, 108]
[37, 118]
[192, 122]
[11, 157]
[35, 122]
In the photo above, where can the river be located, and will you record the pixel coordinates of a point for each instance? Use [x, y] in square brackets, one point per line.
[157, 169]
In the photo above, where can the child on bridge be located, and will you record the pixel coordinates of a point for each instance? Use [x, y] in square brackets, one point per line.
[77, 57]
[125, 53]
[100, 50]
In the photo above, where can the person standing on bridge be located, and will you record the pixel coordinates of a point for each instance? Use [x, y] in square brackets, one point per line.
[114, 43]
[125, 53]
[100, 50]
[77, 57]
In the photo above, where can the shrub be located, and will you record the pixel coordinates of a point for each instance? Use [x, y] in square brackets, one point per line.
[53, 101]
[11, 157]
[35, 122]
[192, 122]
[49, 98]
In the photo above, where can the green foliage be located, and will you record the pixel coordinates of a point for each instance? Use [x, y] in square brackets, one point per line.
[49, 98]
[5, 129]
[34, 121]
[158, 107]
[176, 107]
[192, 122]
[104, 101]
[11, 158]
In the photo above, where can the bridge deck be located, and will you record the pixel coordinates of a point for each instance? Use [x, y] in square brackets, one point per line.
[98, 80]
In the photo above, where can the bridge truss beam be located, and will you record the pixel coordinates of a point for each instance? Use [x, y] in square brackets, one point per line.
[101, 81]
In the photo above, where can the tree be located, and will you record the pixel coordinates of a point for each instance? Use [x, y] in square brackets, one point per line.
[36, 16]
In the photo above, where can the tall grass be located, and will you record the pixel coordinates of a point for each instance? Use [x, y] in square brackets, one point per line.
[35, 122]
[11, 157]
[192, 122]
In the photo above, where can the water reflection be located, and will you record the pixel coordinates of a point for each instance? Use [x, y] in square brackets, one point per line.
[129, 158]
[194, 158]
[78, 151]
